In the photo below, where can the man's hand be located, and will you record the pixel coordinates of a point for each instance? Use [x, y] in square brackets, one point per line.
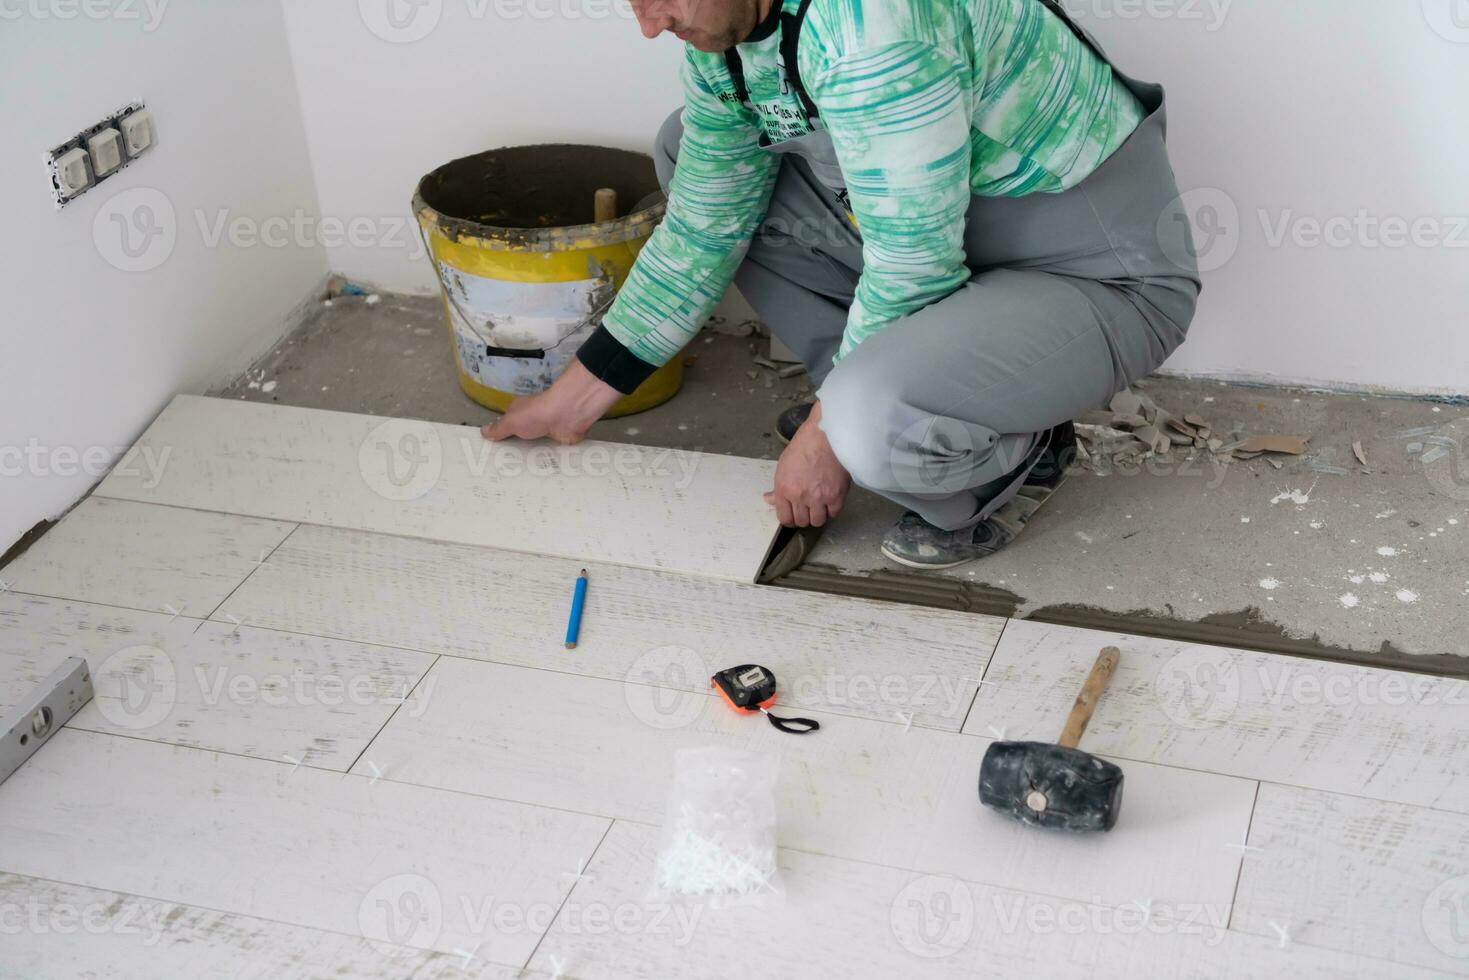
[811, 485]
[563, 412]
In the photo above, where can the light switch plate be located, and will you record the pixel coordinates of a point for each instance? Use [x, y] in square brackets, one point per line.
[99, 152]
[105, 149]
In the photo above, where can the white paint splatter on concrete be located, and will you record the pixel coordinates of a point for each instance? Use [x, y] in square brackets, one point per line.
[1407, 596]
[1298, 497]
[1379, 577]
[1085, 538]
[1357, 579]
[1270, 584]
[1387, 513]
[1348, 601]
[374, 299]
[1244, 520]
[1317, 525]
[268, 387]
[1453, 520]
[1387, 551]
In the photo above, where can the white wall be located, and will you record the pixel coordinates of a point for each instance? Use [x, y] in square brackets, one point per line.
[1300, 109]
[92, 352]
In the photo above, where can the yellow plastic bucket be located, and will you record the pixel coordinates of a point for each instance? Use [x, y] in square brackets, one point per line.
[525, 271]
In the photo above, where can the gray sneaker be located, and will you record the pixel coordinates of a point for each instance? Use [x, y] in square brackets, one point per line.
[918, 544]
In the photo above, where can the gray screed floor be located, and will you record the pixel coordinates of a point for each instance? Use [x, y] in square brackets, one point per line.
[1322, 555]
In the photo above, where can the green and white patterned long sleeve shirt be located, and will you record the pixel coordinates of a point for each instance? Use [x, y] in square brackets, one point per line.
[927, 102]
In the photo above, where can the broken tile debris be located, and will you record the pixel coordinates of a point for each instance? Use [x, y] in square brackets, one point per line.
[1133, 427]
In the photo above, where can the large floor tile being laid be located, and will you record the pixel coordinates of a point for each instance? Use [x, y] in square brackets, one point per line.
[594, 501]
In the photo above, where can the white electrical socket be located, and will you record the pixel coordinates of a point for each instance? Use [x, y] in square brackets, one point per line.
[137, 130]
[106, 151]
[72, 173]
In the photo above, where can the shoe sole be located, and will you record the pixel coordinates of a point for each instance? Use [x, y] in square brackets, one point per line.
[927, 566]
[944, 566]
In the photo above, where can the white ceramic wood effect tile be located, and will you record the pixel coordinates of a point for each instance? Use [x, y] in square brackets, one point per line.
[858, 789]
[239, 689]
[1359, 730]
[1364, 876]
[418, 867]
[37, 634]
[121, 553]
[850, 656]
[696, 513]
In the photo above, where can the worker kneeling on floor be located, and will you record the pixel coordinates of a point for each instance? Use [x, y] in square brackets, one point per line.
[957, 213]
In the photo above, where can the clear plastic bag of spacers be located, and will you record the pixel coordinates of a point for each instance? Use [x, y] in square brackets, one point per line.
[719, 831]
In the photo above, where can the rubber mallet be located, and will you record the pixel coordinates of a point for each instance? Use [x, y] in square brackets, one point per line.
[1057, 786]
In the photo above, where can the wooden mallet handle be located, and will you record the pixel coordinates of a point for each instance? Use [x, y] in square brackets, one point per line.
[1091, 693]
[606, 205]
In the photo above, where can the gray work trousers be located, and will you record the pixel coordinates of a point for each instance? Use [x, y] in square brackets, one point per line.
[1074, 296]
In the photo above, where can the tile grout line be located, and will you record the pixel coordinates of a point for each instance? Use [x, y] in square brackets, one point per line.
[250, 574]
[1239, 875]
[990, 662]
[585, 868]
[394, 713]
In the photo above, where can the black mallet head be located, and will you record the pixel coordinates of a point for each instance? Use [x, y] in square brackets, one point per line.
[1058, 786]
[1051, 786]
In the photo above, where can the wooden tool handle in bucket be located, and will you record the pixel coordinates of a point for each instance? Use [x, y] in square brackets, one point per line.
[1091, 693]
[605, 206]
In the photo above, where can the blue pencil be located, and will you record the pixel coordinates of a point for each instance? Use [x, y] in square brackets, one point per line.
[578, 600]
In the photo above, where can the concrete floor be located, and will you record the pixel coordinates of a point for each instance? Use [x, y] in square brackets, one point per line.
[1368, 559]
